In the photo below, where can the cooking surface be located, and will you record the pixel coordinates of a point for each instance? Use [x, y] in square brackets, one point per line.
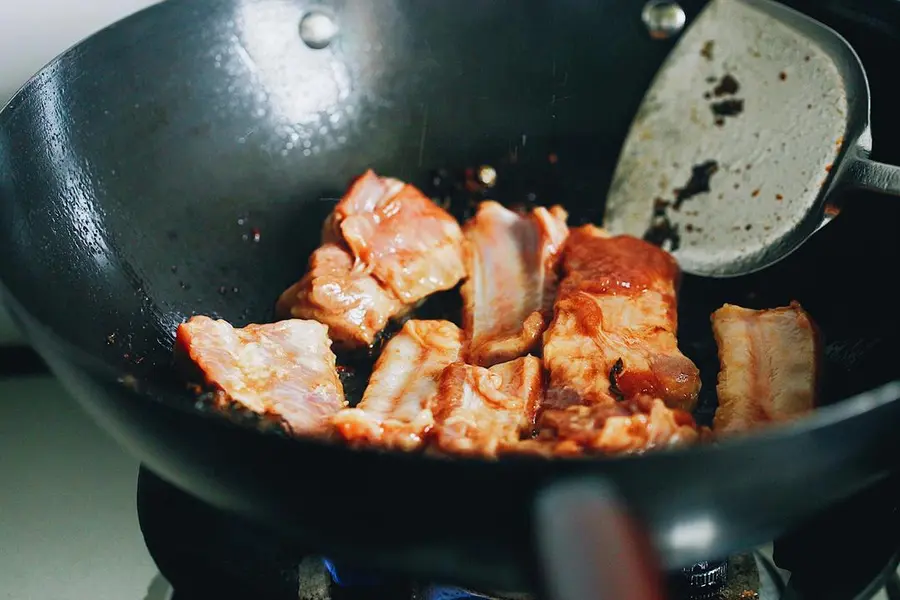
[31, 34]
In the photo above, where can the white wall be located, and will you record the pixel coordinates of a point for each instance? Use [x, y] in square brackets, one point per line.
[32, 32]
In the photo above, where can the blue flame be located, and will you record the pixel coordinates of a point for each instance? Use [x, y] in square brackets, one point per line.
[347, 578]
[452, 593]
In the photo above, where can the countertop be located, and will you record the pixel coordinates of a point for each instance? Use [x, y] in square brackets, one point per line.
[68, 521]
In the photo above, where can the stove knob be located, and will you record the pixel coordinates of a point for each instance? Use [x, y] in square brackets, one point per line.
[704, 580]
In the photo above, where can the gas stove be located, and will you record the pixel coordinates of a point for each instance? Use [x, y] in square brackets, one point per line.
[850, 553]
[68, 511]
[736, 578]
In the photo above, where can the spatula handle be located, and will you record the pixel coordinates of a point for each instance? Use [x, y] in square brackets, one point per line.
[590, 547]
[866, 174]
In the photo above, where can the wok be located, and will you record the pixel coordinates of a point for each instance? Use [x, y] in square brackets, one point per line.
[182, 160]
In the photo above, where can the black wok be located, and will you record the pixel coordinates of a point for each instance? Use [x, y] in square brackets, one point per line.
[137, 169]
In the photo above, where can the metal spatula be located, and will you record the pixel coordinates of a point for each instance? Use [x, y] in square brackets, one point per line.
[756, 123]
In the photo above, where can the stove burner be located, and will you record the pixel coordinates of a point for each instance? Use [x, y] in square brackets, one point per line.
[205, 553]
[345, 577]
[739, 578]
[702, 581]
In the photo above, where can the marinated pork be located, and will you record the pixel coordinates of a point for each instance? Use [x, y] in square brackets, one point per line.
[523, 377]
[284, 371]
[511, 262]
[631, 426]
[770, 361]
[409, 243]
[613, 331]
[395, 411]
[343, 296]
[385, 247]
[478, 411]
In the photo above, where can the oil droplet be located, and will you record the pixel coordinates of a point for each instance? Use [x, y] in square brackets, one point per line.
[663, 18]
[487, 175]
[317, 29]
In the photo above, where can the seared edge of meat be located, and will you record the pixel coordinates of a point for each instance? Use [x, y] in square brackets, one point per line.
[524, 378]
[633, 426]
[770, 366]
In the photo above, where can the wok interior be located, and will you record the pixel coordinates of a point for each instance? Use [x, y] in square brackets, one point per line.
[132, 197]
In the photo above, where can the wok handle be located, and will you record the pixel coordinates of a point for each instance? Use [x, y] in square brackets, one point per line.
[866, 174]
[589, 548]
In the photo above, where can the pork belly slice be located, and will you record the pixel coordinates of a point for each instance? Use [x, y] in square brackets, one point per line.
[343, 296]
[770, 363]
[524, 378]
[283, 370]
[632, 426]
[395, 411]
[511, 263]
[409, 243]
[613, 332]
[480, 411]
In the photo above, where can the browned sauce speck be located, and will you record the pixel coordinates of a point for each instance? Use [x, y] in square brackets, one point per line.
[728, 86]
[614, 373]
[728, 108]
[697, 184]
[662, 230]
